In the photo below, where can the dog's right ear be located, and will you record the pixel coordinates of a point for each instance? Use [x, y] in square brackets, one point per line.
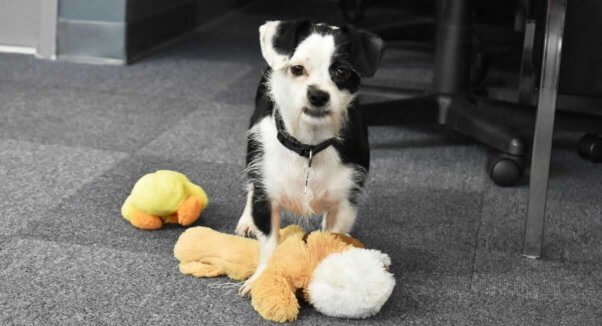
[279, 39]
[366, 50]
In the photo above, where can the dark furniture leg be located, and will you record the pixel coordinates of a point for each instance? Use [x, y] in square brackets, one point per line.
[544, 129]
[497, 124]
[448, 102]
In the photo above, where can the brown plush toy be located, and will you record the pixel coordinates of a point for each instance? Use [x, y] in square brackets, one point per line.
[334, 272]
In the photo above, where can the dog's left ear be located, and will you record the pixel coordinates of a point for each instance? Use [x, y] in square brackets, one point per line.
[366, 50]
[279, 39]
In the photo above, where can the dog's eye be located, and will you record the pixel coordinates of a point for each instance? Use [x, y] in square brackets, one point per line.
[297, 70]
[342, 74]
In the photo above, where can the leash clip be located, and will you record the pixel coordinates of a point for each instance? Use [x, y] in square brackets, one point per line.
[307, 169]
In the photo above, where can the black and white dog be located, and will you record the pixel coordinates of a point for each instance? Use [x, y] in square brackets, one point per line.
[307, 146]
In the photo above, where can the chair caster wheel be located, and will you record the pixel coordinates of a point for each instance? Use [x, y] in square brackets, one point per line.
[505, 169]
[590, 147]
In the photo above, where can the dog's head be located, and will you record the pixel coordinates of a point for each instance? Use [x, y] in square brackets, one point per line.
[316, 69]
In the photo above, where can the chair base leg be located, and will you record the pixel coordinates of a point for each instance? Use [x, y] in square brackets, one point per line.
[462, 114]
[459, 112]
[503, 126]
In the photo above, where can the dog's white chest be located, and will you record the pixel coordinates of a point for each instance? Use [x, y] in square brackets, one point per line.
[284, 175]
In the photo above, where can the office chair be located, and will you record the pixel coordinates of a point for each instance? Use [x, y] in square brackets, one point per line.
[492, 29]
[580, 86]
[421, 28]
[498, 124]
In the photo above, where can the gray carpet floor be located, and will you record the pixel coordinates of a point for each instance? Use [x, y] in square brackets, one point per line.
[74, 138]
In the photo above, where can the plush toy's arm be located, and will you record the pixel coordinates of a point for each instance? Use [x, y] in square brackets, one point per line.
[138, 218]
[189, 210]
[273, 297]
[274, 292]
[199, 269]
[204, 252]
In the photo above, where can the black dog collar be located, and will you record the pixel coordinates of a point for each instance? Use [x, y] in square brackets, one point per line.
[296, 146]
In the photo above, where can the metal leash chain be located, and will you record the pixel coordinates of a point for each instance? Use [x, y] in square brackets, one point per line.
[307, 169]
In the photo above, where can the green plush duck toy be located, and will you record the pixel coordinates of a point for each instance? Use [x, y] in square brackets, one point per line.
[164, 197]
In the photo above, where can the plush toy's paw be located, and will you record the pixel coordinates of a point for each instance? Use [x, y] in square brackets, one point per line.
[145, 221]
[274, 298]
[198, 269]
[189, 210]
[280, 309]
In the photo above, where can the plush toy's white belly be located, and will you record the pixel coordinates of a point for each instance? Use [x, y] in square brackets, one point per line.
[330, 181]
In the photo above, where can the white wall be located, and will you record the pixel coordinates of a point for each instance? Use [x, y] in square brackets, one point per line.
[29, 26]
[20, 22]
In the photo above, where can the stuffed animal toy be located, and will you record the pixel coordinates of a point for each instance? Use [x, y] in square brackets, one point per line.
[164, 197]
[334, 272]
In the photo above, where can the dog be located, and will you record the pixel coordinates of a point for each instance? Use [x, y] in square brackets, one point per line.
[307, 149]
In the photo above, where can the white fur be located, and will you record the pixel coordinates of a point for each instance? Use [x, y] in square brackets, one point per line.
[284, 178]
[352, 284]
[245, 224]
[342, 219]
[267, 246]
[289, 92]
[267, 32]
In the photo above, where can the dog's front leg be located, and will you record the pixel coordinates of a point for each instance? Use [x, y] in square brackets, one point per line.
[245, 226]
[340, 217]
[266, 216]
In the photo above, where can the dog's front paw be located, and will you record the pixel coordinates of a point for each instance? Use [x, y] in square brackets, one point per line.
[245, 229]
[245, 288]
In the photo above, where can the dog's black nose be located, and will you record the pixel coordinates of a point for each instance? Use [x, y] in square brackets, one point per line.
[317, 97]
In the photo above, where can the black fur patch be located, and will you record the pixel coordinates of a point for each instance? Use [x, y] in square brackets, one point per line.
[355, 150]
[289, 35]
[261, 210]
[353, 83]
[261, 206]
[365, 50]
